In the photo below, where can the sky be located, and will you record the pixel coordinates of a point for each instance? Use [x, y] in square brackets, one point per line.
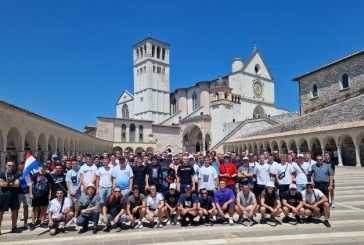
[70, 60]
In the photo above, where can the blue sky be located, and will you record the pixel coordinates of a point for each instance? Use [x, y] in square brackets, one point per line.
[70, 60]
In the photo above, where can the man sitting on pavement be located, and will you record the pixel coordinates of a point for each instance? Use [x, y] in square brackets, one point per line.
[136, 207]
[246, 204]
[206, 207]
[224, 200]
[271, 204]
[155, 206]
[292, 203]
[114, 210]
[314, 203]
[187, 205]
[59, 211]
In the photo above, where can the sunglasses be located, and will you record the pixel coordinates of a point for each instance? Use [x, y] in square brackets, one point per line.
[309, 187]
[117, 191]
[205, 193]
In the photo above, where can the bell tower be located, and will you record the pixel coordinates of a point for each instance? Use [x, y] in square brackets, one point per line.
[151, 80]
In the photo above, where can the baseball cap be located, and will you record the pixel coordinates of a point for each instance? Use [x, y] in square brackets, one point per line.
[188, 187]
[44, 164]
[173, 186]
[300, 155]
[245, 158]
[292, 186]
[54, 156]
[271, 184]
[135, 187]
[90, 185]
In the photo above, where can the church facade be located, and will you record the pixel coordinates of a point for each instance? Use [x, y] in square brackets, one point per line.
[195, 118]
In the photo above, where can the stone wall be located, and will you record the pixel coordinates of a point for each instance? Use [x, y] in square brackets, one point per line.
[167, 137]
[328, 81]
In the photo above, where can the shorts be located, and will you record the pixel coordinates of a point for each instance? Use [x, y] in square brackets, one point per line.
[121, 219]
[25, 199]
[41, 201]
[155, 212]
[56, 223]
[230, 206]
[247, 208]
[7, 200]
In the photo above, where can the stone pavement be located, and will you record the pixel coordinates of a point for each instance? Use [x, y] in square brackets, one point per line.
[347, 221]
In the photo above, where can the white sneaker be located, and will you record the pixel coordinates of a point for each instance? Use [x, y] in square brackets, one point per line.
[231, 221]
[168, 222]
[160, 225]
[214, 218]
[139, 226]
[332, 204]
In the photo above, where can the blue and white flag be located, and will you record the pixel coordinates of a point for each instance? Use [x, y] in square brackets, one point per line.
[30, 164]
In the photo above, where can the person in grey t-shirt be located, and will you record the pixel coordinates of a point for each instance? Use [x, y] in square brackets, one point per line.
[89, 209]
[246, 204]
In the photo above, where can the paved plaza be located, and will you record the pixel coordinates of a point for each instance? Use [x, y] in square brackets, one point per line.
[347, 221]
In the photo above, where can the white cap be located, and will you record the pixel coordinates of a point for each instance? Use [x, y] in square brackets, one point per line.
[292, 186]
[90, 185]
[271, 184]
[173, 186]
[245, 158]
[300, 155]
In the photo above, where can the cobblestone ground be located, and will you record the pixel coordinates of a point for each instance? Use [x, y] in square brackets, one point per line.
[347, 221]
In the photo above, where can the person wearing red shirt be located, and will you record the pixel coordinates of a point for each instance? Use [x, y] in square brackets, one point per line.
[228, 173]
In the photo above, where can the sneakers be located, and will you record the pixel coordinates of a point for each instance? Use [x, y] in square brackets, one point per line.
[108, 228]
[94, 230]
[83, 229]
[231, 221]
[118, 229]
[251, 222]
[31, 227]
[332, 205]
[263, 221]
[326, 223]
[299, 220]
[240, 220]
[201, 221]
[309, 219]
[285, 219]
[43, 225]
[14, 230]
[158, 225]
[139, 226]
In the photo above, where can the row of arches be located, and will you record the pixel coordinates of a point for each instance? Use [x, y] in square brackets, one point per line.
[15, 142]
[194, 140]
[136, 151]
[348, 148]
[132, 133]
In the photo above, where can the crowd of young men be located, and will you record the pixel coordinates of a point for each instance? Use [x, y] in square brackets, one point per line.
[123, 189]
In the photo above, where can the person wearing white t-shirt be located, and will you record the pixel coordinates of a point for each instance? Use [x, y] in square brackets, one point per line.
[59, 210]
[273, 166]
[301, 171]
[207, 177]
[262, 174]
[155, 206]
[308, 158]
[104, 180]
[314, 203]
[283, 174]
[88, 172]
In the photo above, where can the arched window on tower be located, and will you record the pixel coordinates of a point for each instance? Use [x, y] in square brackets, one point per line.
[132, 133]
[123, 133]
[195, 101]
[345, 81]
[314, 91]
[174, 106]
[141, 135]
[125, 111]
[163, 53]
[158, 52]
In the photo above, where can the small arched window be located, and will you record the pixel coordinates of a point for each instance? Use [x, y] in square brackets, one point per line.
[195, 101]
[123, 133]
[141, 135]
[345, 81]
[174, 106]
[132, 133]
[125, 111]
[314, 91]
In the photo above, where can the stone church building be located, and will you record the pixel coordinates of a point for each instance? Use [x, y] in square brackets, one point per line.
[196, 118]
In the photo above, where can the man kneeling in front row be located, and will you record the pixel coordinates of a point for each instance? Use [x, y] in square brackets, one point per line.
[315, 203]
[59, 212]
[114, 210]
[292, 203]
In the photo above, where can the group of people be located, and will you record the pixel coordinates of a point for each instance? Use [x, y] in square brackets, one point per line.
[124, 189]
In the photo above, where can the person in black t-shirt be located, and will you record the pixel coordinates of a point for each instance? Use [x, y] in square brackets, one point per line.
[292, 203]
[168, 176]
[153, 176]
[9, 182]
[139, 172]
[206, 207]
[185, 174]
[187, 205]
[271, 204]
[59, 181]
[114, 210]
[171, 201]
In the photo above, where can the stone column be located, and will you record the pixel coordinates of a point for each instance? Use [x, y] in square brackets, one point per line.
[298, 150]
[20, 156]
[357, 154]
[45, 155]
[203, 144]
[2, 160]
[137, 134]
[127, 134]
[339, 156]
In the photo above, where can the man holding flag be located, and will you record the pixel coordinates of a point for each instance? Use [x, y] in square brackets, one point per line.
[9, 182]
